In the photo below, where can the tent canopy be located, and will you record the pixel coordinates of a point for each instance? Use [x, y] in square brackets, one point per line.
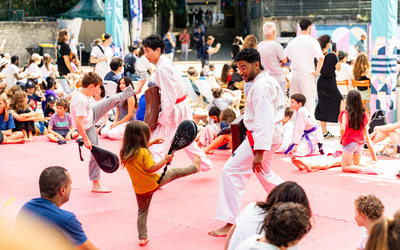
[87, 10]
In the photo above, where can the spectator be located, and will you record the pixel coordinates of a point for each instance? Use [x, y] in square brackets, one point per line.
[235, 47]
[169, 46]
[116, 66]
[64, 227]
[22, 114]
[272, 55]
[64, 54]
[50, 109]
[385, 234]
[361, 46]
[226, 73]
[3, 65]
[130, 59]
[50, 90]
[330, 101]
[173, 37]
[73, 42]
[14, 76]
[345, 73]
[61, 129]
[301, 51]
[31, 89]
[235, 77]
[223, 101]
[104, 121]
[124, 114]
[33, 68]
[184, 38]
[203, 27]
[11, 91]
[362, 72]
[200, 16]
[144, 69]
[141, 110]
[250, 41]
[199, 38]
[102, 55]
[208, 50]
[383, 131]
[210, 19]
[48, 67]
[7, 125]
[191, 17]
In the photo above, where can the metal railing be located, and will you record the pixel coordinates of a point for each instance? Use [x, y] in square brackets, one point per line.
[12, 15]
[310, 7]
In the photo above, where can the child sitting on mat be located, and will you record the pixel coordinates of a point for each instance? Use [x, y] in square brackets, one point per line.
[23, 115]
[50, 109]
[61, 129]
[7, 124]
[368, 210]
[307, 135]
[142, 169]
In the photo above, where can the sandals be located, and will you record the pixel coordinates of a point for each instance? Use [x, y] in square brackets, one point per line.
[328, 134]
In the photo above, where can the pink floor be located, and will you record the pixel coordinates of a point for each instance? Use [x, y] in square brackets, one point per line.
[183, 212]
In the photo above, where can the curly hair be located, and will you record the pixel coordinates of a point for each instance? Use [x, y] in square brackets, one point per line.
[249, 55]
[361, 66]
[18, 101]
[370, 206]
[286, 223]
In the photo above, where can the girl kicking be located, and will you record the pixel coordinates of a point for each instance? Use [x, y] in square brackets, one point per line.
[142, 169]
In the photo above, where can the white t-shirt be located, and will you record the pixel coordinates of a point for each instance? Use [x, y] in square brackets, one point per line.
[72, 46]
[3, 71]
[34, 70]
[251, 243]
[142, 64]
[271, 54]
[45, 72]
[345, 73]
[301, 51]
[80, 107]
[364, 239]
[10, 78]
[93, 102]
[102, 68]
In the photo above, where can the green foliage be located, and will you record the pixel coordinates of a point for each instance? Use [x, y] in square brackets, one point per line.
[151, 7]
[43, 7]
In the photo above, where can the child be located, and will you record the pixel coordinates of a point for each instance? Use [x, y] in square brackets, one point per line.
[85, 117]
[50, 90]
[368, 210]
[23, 115]
[385, 234]
[287, 130]
[31, 89]
[223, 138]
[284, 226]
[137, 159]
[7, 124]
[49, 110]
[104, 121]
[354, 132]
[61, 129]
[206, 135]
[306, 130]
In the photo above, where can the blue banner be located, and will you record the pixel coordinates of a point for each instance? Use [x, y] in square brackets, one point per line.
[136, 18]
[114, 24]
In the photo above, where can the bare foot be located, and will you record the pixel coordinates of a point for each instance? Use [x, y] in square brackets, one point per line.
[30, 139]
[20, 140]
[143, 242]
[297, 163]
[197, 162]
[97, 188]
[223, 231]
[371, 169]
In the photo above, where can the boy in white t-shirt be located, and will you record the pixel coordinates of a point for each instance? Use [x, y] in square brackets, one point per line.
[368, 210]
[85, 117]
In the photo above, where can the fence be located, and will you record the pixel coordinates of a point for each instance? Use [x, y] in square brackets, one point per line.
[12, 15]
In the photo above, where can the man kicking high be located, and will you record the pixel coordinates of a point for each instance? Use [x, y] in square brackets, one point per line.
[174, 106]
[265, 108]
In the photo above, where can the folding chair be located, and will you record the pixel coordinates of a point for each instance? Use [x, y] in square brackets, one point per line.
[343, 83]
[110, 88]
[65, 85]
[364, 83]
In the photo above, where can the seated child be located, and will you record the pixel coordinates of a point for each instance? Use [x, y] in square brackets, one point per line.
[369, 210]
[287, 131]
[307, 134]
[7, 124]
[206, 135]
[49, 109]
[23, 115]
[104, 121]
[284, 226]
[31, 89]
[223, 139]
[51, 87]
[385, 234]
[142, 169]
[61, 128]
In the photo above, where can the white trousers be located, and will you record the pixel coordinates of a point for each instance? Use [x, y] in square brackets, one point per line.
[234, 177]
[167, 133]
[116, 133]
[306, 85]
[185, 51]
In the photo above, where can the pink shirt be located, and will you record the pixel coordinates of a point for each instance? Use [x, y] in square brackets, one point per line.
[185, 38]
[352, 135]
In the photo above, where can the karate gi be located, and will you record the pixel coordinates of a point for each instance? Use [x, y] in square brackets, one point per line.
[265, 108]
[168, 79]
[304, 120]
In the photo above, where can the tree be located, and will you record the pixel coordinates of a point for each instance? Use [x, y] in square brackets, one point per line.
[43, 7]
[160, 7]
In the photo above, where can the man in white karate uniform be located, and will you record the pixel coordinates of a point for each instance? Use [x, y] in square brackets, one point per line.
[265, 108]
[174, 106]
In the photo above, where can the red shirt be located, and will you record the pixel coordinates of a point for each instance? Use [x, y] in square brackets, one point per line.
[185, 38]
[352, 135]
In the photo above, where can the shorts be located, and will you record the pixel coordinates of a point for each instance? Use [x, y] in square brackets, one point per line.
[62, 132]
[353, 148]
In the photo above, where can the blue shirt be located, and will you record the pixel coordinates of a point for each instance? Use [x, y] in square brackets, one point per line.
[64, 226]
[35, 99]
[168, 47]
[6, 125]
[142, 109]
[200, 37]
[111, 76]
[361, 46]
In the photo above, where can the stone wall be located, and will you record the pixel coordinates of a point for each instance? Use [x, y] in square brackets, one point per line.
[21, 35]
[149, 26]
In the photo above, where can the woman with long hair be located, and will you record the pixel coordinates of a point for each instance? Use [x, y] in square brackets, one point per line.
[362, 72]
[48, 66]
[385, 234]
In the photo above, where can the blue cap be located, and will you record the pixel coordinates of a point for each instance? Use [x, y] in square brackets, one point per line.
[51, 98]
[30, 84]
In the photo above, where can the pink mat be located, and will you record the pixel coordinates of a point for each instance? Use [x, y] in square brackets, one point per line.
[183, 212]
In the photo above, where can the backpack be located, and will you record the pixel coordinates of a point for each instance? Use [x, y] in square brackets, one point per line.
[200, 53]
[377, 119]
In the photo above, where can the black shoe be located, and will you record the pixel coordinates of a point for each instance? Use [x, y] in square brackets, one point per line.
[328, 134]
[60, 142]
